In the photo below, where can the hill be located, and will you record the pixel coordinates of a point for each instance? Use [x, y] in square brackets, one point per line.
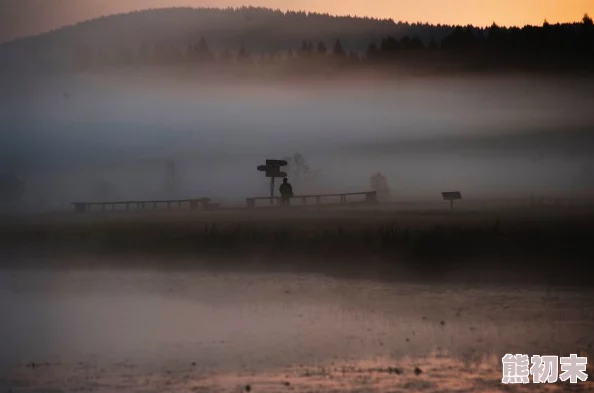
[258, 30]
[300, 43]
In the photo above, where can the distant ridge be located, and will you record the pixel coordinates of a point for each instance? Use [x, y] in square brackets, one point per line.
[256, 29]
[201, 14]
[173, 36]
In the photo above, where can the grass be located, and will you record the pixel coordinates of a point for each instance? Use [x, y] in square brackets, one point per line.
[430, 243]
[551, 245]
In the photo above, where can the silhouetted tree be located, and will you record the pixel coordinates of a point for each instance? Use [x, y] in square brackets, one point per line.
[405, 43]
[200, 52]
[372, 52]
[433, 45]
[416, 44]
[299, 171]
[321, 49]
[379, 184]
[203, 46]
[554, 47]
[338, 51]
[306, 49]
[389, 47]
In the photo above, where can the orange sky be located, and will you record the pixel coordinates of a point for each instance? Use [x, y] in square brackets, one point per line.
[23, 17]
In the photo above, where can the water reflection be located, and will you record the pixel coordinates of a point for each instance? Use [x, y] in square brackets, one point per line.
[232, 321]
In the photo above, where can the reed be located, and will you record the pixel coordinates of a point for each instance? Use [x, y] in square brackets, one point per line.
[535, 245]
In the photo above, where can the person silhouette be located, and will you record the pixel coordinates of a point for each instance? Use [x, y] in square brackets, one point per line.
[286, 191]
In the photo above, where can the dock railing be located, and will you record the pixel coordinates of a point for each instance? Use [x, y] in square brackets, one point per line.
[370, 197]
[179, 204]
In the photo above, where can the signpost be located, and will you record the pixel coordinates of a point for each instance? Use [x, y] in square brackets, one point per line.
[276, 162]
[272, 169]
[451, 196]
[274, 174]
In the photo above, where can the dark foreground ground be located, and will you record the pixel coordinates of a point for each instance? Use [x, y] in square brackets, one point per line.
[546, 245]
[328, 301]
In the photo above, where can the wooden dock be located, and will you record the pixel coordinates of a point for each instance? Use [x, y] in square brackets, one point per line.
[319, 200]
[368, 197]
[172, 204]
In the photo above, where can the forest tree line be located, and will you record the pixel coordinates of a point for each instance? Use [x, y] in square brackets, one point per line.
[294, 41]
[559, 46]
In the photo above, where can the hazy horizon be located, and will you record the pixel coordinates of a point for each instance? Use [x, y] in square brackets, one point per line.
[425, 136]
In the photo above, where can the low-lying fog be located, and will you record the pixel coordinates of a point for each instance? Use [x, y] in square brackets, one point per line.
[92, 137]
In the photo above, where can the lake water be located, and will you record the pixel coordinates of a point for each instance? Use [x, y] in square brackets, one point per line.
[269, 319]
[123, 329]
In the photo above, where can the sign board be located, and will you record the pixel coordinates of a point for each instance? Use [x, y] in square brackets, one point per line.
[272, 169]
[276, 162]
[267, 168]
[449, 196]
[275, 173]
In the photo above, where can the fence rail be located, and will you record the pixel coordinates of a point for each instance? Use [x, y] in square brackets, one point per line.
[370, 197]
[191, 204]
